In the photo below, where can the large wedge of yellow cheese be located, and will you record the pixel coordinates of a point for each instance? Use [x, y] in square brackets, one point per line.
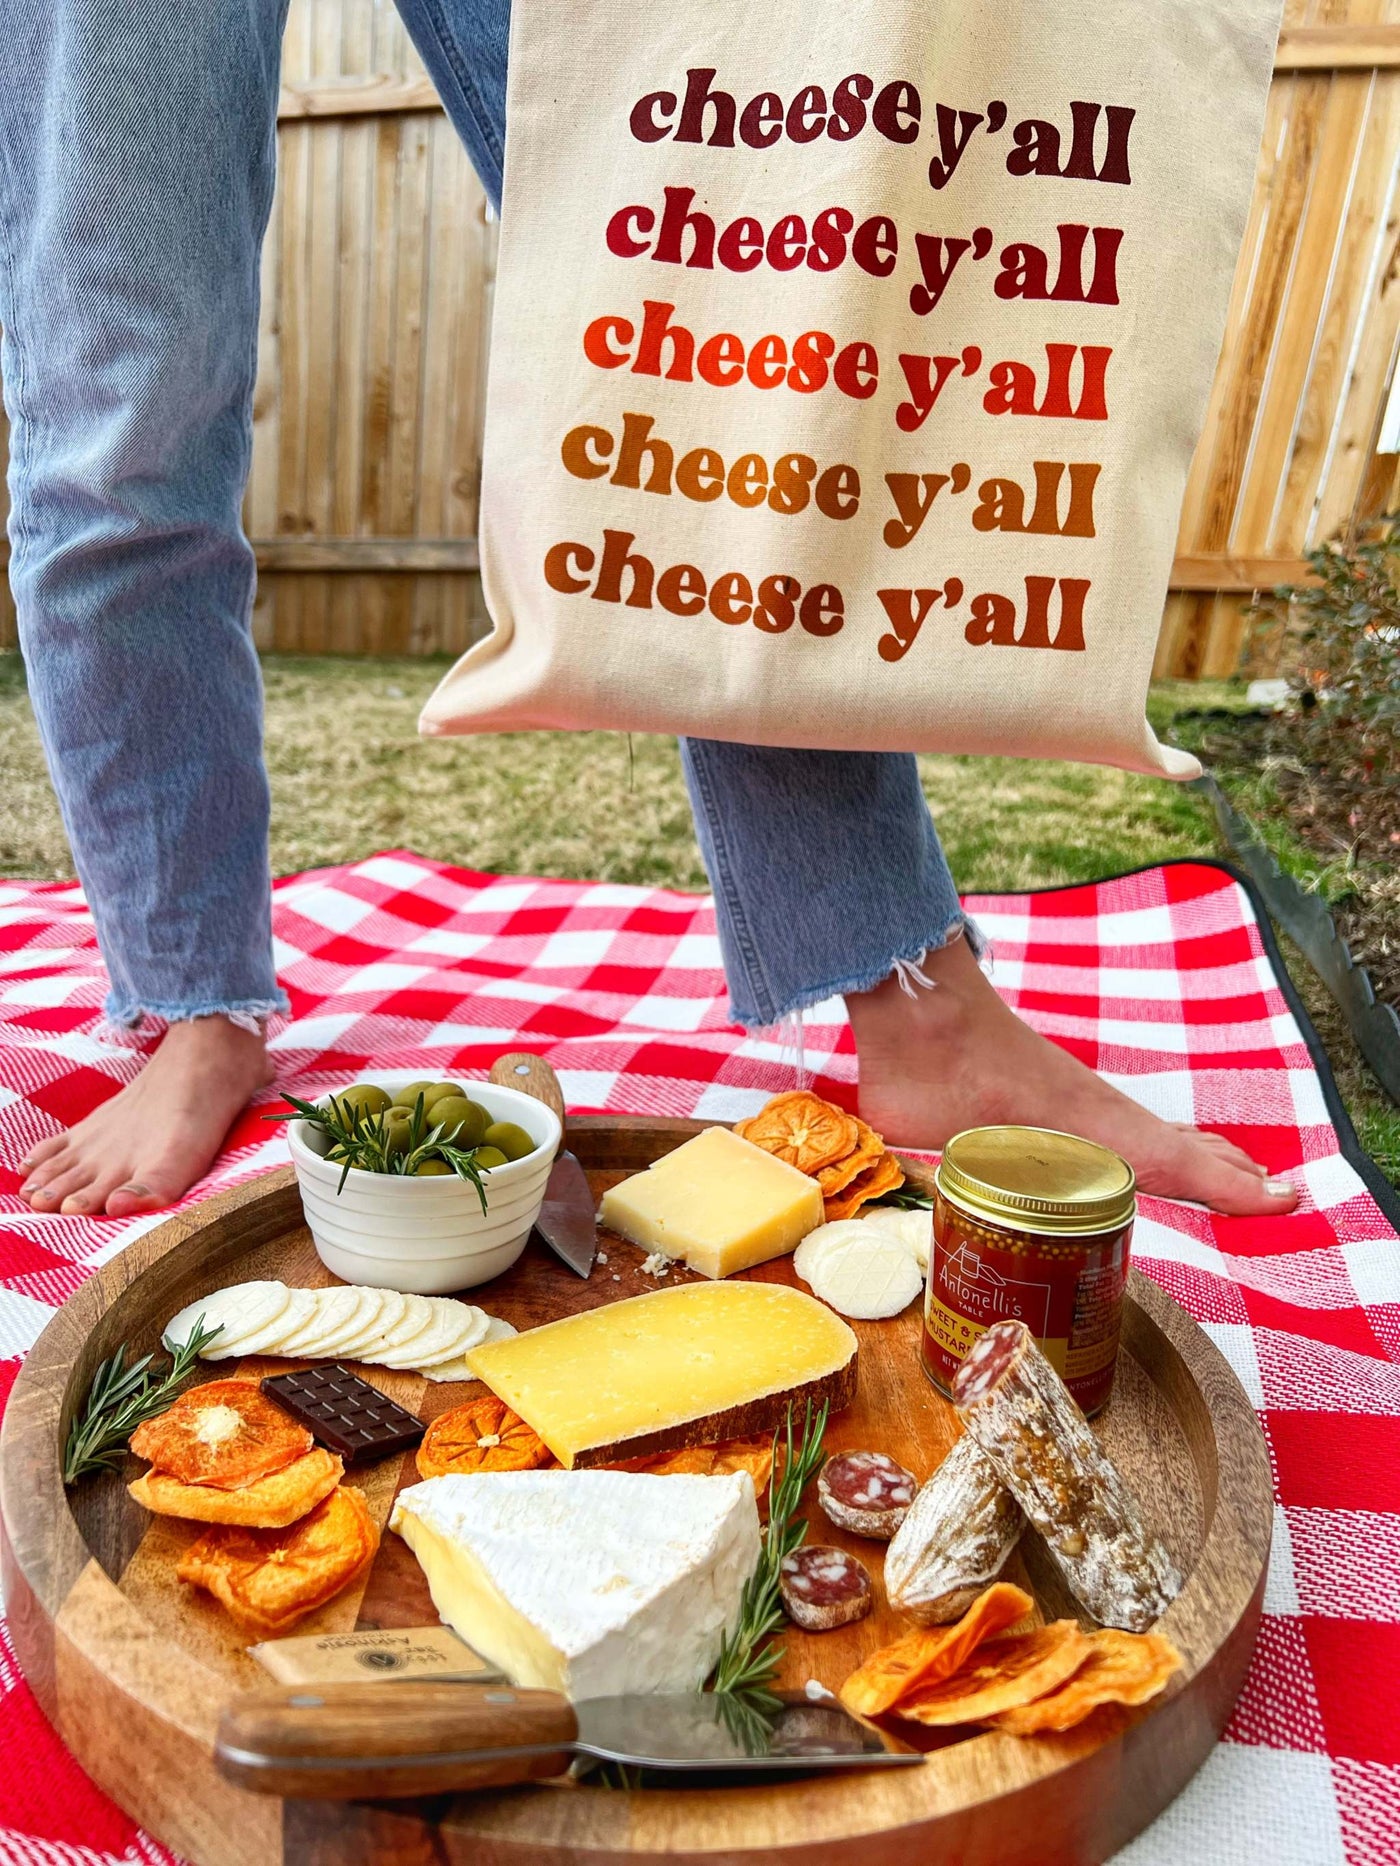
[681, 1366]
[719, 1202]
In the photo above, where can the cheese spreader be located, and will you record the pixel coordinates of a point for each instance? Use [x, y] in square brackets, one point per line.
[567, 1221]
[343, 1742]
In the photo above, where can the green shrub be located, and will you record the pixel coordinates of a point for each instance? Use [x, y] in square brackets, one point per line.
[1337, 642]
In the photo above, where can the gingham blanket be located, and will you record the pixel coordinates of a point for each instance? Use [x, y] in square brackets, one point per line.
[1165, 980]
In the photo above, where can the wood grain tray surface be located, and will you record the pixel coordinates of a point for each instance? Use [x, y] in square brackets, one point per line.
[133, 1668]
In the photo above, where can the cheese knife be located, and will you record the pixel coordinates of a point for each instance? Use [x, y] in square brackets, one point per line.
[567, 1220]
[344, 1742]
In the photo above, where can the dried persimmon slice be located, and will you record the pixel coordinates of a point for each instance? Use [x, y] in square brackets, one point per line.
[269, 1578]
[483, 1435]
[1122, 1668]
[226, 1435]
[884, 1176]
[1001, 1675]
[802, 1129]
[869, 1148]
[931, 1653]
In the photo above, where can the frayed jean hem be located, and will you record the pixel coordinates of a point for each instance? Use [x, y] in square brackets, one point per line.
[906, 965]
[250, 1014]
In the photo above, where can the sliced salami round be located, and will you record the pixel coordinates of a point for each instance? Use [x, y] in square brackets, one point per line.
[866, 1492]
[824, 1587]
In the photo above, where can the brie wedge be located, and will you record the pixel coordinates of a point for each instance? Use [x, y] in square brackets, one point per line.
[593, 1583]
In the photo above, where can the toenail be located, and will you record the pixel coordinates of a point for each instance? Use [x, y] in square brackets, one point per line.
[142, 1192]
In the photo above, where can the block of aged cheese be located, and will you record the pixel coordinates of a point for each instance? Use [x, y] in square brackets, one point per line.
[683, 1366]
[592, 1583]
[717, 1201]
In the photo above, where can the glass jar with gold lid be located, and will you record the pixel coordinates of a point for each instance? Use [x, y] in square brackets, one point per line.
[1030, 1225]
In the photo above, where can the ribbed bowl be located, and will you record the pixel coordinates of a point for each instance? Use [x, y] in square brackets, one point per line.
[427, 1236]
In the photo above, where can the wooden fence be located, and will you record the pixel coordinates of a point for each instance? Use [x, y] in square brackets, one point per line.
[378, 274]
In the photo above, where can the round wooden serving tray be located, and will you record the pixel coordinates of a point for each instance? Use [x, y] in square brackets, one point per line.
[132, 1667]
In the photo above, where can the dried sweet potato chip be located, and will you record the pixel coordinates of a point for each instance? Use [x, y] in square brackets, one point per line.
[483, 1435]
[884, 1176]
[225, 1434]
[802, 1129]
[271, 1502]
[269, 1578]
[1001, 1675]
[931, 1653]
[868, 1149]
[1122, 1668]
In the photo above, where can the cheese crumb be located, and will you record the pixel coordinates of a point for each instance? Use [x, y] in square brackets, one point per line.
[491, 1438]
[601, 1257]
[657, 1264]
[216, 1424]
[816, 1690]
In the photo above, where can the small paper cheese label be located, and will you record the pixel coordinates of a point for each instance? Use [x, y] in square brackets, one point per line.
[357, 1658]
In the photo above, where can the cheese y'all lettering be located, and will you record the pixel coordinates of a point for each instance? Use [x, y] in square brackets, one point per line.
[1048, 614]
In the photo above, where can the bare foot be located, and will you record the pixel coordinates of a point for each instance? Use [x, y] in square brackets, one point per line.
[956, 1057]
[148, 1145]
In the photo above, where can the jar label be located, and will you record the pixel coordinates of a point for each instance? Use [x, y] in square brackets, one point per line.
[1067, 1290]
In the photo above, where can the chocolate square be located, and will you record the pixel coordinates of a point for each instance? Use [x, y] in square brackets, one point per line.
[344, 1412]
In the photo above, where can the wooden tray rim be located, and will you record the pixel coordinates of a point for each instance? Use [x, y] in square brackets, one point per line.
[55, 1588]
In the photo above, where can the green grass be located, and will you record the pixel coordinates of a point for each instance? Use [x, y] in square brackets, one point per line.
[350, 776]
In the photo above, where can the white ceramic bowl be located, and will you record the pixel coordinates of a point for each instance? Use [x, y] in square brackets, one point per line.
[427, 1236]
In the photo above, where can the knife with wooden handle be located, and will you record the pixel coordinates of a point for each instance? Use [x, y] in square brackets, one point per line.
[344, 1742]
[567, 1220]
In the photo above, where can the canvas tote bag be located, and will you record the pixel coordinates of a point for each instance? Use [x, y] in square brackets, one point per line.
[848, 357]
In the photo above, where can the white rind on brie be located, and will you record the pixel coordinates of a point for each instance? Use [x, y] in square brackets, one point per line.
[592, 1583]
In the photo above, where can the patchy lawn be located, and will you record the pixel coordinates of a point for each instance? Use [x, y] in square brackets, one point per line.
[350, 776]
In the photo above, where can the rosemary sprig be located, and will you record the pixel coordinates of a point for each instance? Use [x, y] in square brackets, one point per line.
[906, 1199]
[362, 1140]
[748, 1658]
[121, 1398]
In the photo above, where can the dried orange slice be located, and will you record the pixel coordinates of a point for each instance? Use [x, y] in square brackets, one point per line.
[1001, 1675]
[270, 1503]
[269, 1578]
[1122, 1668]
[802, 1129]
[226, 1434]
[884, 1176]
[931, 1653]
[483, 1435]
[754, 1455]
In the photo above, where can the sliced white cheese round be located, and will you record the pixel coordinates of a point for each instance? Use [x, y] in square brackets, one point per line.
[301, 1306]
[455, 1327]
[416, 1320]
[867, 1278]
[372, 1338]
[339, 1313]
[914, 1229]
[817, 1243]
[456, 1368]
[241, 1310]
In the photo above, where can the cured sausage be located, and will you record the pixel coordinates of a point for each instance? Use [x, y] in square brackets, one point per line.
[955, 1539]
[866, 1492]
[823, 1587]
[1020, 1413]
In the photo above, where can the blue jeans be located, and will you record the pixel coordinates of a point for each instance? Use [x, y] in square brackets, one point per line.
[137, 142]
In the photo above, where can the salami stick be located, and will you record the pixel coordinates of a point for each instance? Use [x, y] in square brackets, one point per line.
[958, 1533]
[1019, 1411]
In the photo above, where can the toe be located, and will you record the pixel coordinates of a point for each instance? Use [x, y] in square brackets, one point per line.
[50, 1196]
[42, 1152]
[1241, 1192]
[138, 1195]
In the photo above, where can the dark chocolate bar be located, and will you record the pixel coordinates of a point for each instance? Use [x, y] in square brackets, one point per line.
[344, 1412]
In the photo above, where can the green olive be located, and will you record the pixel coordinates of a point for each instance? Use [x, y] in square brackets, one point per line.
[408, 1095]
[316, 1138]
[439, 1091]
[397, 1124]
[432, 1169]
[464, 1122]
[487, 1157]
[363, 1099]
[511, 1139]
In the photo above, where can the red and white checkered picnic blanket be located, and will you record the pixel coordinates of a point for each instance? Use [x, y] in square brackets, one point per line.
[1163, 980]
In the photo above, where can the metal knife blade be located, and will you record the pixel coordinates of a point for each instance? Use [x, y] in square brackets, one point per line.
[712, 1730]
[567, 1222]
